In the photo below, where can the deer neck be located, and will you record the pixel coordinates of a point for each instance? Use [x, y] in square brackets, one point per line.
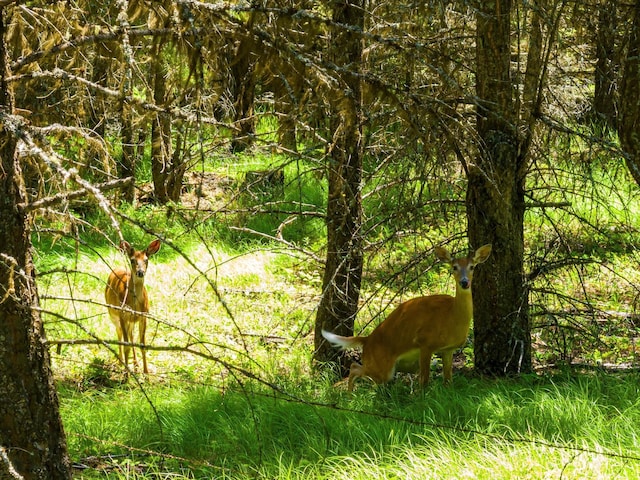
[463, 304]
[135, 287]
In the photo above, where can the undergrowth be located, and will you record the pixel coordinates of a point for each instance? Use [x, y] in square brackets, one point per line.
[233, 392]
[536, 427]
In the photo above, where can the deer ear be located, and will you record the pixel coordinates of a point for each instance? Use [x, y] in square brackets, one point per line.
[482, 254]
[153, 247]
[126, 247]
[443, 254]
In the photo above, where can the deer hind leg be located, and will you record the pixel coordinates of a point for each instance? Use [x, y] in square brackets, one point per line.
[425, 366]
[143, 329]
[376, 369]
[447, 366]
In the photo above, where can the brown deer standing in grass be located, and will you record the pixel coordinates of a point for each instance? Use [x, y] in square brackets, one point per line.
[128, 301]
[418, 328]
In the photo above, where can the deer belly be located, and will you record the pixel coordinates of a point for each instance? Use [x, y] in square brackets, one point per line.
[127, 317]
[451, 339]
[409, 362]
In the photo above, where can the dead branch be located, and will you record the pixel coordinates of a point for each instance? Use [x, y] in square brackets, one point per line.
[59, 74]
[68, 196]
[279, 239]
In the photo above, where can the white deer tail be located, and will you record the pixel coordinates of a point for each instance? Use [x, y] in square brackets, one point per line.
[342, 342]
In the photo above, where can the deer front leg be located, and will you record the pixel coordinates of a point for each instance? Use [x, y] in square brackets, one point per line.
[425, 366]
[127, 334]
[355, 371]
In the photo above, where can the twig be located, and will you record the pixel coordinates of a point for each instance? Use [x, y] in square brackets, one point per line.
[67, 196]
[7, 461]
[279, 240]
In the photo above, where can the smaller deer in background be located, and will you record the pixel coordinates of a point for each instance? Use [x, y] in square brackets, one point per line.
[418, 328]
[128, 301]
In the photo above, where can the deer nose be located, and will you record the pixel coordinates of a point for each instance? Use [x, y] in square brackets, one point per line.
[140, 273]
[465, 283]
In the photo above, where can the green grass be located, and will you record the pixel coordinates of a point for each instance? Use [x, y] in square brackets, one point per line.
[233, 394]
[272, 417]
[582, 426]
[193, 418]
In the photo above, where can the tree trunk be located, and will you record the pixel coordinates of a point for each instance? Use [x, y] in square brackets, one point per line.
[127, 166]
[629, 122]
[244, 85]
[343, 269]
[160, 127]
[96, 104]
[285, 106]
[495, 205]
[604, 99]
[32, 440]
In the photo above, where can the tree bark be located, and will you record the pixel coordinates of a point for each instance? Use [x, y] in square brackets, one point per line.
[495, 205]
[629, 122]
[343, 269]
[160, 127]
[99, 75]
[32, 440]
[604, 99]
[243, 84]
[127, 166]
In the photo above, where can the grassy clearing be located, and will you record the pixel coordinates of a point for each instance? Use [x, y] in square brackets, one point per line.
[271, 417]
[232, 393]
[535, 428]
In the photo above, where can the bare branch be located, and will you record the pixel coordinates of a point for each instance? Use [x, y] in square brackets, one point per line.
[59, 74]
[67, 196]
[19, 129]
[110, 36]
[279, 239]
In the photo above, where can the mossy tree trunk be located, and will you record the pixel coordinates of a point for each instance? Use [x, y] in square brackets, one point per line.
[629, 121]
[32, 440]
[495, 204]
[343, 268]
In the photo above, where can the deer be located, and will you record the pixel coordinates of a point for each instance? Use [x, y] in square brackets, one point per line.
[128, 301]
[418, 328]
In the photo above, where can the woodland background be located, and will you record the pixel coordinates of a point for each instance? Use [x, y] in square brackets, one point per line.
[344, 140]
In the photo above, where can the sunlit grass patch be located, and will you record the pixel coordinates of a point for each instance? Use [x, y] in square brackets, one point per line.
[532, 429]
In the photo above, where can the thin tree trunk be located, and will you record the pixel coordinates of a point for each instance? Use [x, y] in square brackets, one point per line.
[167, 165]
[32, 440]
[127, 166]
[629, 123]
[604, 99]
[287, 120]
[495, 205]
[244, 85]
[160, 127]
[343, 269]
[96, 104]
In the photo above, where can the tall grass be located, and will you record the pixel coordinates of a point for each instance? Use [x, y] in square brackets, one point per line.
[272, 417]
[574, 427]
[233, 393]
